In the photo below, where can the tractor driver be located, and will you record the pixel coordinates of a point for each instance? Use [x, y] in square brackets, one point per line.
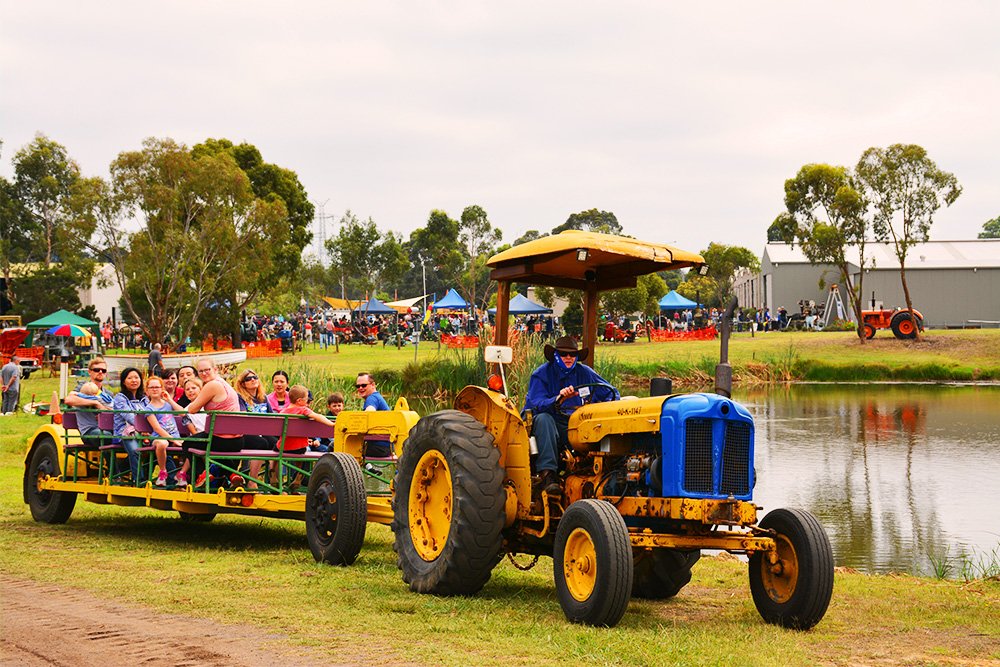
[552, 398]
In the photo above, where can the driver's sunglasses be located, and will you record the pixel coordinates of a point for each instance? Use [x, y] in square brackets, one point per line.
[361, 386]
[563, 353]
[98, 370]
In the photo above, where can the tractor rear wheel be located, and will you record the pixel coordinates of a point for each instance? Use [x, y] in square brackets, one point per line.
[336, 509]
[593, 563]
[662, 573]
[46, 506]
[795, 590]
[902, 326]
[869, 331]
[448, 510]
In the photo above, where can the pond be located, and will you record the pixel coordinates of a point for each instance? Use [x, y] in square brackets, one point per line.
[897, 474]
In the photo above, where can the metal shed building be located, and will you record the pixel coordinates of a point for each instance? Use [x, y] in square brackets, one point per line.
[952, 283]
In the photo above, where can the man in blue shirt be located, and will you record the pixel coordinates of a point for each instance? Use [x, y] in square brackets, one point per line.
[86, 419]
[374, 446]
[365, 386]
[552, 398]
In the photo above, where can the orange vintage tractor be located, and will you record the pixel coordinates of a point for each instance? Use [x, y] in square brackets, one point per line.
[897, 319]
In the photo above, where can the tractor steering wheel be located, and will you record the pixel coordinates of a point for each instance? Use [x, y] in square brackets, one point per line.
[589, 398]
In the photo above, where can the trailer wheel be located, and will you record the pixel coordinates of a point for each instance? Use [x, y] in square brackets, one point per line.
[902, 326]
[869, 331]
[593, 563]
[448, 510]
[336, 509]
[795, 591]
[46, 506]
[662, 573]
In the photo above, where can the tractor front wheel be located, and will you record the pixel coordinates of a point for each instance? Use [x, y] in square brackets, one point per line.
[793, 588]
[593, 563]
[448, 510]
[336, 509]
[46, 506]
[869, 331]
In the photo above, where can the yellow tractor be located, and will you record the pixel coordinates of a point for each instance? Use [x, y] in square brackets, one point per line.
[646, 484]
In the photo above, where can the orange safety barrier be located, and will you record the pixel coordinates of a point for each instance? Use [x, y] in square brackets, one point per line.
[460, 341]
[37, 353]
[263, 348]
[662, 335]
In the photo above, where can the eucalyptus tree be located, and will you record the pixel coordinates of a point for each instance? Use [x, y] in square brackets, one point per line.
[826, 213]
[906, 188]
[202, 232]
[991, 229]
[479, 240]
[366, 258]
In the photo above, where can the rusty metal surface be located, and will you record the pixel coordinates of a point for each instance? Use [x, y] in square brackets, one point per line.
[738, 542]
[707, 511]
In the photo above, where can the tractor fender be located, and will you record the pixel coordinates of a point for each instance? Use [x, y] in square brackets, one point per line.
[501, 418]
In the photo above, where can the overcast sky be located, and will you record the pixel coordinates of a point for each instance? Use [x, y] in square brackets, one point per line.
[684, 119]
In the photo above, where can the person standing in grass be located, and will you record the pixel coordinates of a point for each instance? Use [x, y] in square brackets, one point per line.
[10, 375]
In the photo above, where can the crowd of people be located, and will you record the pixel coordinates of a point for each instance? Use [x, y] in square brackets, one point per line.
[196, 391]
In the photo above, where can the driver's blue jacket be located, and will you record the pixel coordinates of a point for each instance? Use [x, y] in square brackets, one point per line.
[550, 377]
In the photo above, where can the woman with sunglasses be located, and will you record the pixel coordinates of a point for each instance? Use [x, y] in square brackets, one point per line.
[253, 399]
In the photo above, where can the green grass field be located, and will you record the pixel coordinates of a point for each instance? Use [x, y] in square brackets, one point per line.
[260, 571]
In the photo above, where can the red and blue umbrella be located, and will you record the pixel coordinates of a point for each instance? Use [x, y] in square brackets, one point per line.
[68, 330]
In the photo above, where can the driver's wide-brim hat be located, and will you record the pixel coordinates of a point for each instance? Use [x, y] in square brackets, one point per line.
[565, 344]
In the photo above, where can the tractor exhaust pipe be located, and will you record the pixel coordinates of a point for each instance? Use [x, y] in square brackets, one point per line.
[723, 371]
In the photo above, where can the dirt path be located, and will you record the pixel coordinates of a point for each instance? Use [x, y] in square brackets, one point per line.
[42, 624]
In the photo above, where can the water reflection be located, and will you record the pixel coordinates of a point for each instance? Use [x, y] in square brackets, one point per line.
[895, 473]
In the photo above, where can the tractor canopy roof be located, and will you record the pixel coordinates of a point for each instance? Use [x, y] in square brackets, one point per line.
[575, 258]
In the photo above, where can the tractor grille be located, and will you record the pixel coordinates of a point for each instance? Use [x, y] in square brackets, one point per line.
[698, 456]
[736, 460]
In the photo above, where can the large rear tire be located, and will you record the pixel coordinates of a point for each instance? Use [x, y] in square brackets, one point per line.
[902, 326]
[336, 509]
[448, 510]
[593, 563]
[46, 506]
[795, 591]
[662, 573]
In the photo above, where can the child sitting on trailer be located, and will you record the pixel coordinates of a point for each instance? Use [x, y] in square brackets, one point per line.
[164, 424]
[195, 422]
[89, 391]
[334, 406]
[298, 404]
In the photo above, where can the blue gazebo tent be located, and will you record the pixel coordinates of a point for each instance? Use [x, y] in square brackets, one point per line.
[674, 301]
[522, 305]
[451, 301]
[375, 307]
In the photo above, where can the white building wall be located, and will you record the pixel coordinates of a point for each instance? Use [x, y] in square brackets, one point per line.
[103, 292]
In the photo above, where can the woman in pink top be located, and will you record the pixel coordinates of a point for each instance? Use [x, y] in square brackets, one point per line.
[216, 396]
[278, 399]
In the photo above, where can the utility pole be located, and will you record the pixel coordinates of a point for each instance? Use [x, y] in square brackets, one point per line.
[319, 223]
